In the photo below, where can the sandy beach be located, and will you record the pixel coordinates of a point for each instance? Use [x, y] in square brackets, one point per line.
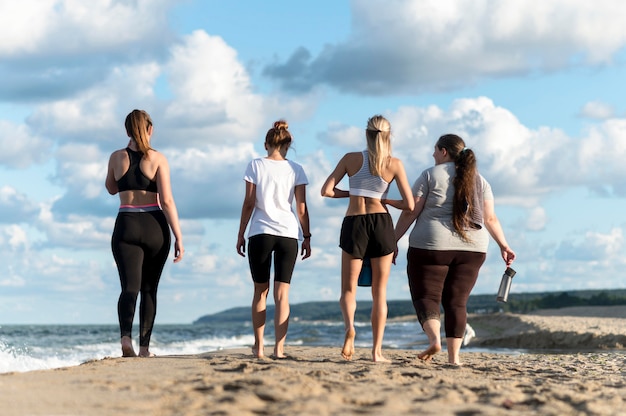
[587, 377]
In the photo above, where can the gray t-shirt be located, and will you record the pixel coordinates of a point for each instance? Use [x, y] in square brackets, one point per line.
[433, 229]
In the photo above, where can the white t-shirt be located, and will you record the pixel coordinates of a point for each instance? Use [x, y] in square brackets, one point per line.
[275, 182]
[433, 229]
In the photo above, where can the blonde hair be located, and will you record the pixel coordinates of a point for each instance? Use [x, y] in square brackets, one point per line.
[278, 135]
[378, 135]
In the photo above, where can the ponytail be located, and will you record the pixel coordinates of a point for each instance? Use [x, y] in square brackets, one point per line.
[378, 135]
[463, 203]
[138, 123]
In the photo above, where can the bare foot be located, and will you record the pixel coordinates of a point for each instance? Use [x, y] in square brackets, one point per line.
[279, 354]
[454, 365]
[280, 357]
[378, 358]
[348, 344]
[145, 353]
[257, 352]
[127, 347]
[428, 353]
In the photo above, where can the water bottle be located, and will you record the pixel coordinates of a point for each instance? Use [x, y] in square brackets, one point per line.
[365, 277]
[505, 285]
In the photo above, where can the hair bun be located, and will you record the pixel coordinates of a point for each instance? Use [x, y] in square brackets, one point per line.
[281, 124]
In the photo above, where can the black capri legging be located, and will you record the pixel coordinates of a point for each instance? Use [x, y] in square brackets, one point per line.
[260, 249]
[140, 244]
[443, 277]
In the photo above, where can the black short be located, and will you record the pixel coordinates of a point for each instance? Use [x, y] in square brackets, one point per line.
[368, 235]
[260, 249]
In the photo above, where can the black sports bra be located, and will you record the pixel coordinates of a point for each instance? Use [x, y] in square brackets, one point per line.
[134, 179]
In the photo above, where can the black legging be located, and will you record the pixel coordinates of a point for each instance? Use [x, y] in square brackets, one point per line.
[140, 244]
[260, 250]
[443, 277]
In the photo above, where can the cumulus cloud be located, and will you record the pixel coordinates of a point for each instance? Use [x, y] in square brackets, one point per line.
[69, 44]
[597, 110]
[16, 207]
[21, 147]
[416, 46]
[595, 246]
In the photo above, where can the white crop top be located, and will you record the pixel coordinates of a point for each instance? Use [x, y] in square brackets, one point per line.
[363, 183]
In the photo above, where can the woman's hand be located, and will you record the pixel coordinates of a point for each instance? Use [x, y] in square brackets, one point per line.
[179, 251]
[241, 245]
[306, 248]
[508, 255]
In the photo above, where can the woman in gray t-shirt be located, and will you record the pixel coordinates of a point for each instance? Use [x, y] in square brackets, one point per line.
[454, 216]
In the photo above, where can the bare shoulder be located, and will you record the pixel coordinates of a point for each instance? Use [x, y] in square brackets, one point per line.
[351, 155]
[118, 154]
[155, 155]
[395, 163]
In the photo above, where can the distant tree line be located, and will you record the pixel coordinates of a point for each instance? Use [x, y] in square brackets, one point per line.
[564, 300]
[517, 303]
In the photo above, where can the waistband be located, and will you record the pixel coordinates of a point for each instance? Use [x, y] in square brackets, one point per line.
[140, 208]
[369, 215]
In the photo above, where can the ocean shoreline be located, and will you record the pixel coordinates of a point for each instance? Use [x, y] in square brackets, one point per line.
[316, 380]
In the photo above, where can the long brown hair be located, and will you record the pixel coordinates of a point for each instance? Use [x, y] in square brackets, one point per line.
[464, 182]
[378, 135]
[138, 122]
[278, 135]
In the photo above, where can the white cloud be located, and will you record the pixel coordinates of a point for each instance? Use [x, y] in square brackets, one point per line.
[16, 206]
[416, 46]
[74, 26]
[21, 147]
[55, 49]
[537, 218]
[597, 110]
[213, 90]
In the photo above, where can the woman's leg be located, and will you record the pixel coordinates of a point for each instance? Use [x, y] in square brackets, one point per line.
[432, 329]
[350, 268]
[427, 270]
[259, 308]
[285, 255]
[460, 281]
[281, 317]
[381, 267]
[128, 258]
[156, 243]
[260, 260]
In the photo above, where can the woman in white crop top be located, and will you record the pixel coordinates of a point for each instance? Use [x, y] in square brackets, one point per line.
[367, 229]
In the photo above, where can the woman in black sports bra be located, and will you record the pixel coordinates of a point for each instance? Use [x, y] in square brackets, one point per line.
[141, 237]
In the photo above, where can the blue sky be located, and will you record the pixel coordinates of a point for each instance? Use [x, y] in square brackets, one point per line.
[534, 87]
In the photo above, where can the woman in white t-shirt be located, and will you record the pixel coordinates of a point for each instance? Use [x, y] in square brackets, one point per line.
[272, 182]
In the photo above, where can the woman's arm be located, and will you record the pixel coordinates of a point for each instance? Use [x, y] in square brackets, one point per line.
[329, 188]
[407, 202]
[303, 216]
[247, 208]
[168, 205]
[408, 217]
[495, 230]
[110, 183]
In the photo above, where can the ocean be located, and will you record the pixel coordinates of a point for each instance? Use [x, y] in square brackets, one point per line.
[38, 347]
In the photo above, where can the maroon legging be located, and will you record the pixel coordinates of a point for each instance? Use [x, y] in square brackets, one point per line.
[443, 277]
